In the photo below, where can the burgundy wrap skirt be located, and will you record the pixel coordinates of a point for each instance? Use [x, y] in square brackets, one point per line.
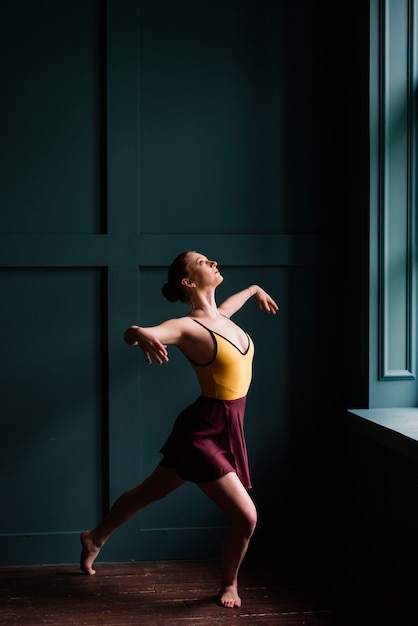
[207, 441]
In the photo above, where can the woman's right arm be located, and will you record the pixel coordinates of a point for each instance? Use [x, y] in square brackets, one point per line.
[154, 340]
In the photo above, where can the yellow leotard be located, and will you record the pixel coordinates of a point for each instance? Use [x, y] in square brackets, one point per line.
[228, 375]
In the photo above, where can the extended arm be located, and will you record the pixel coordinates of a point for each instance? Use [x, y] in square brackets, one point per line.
[232, 304]
[153, 340]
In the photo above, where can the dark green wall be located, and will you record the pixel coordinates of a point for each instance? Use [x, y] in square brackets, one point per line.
[131, 131]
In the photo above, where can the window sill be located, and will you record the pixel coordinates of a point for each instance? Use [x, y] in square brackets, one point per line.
[396, 428]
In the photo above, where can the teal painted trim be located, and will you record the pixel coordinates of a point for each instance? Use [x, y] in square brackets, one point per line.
[184, 543]
[123, 399]
[133, 545]
[412, 269]
[392, 308]
[246, 250]
[396, 301]
[374, 138]
[122, 116]
[128, 250]
[32, 549]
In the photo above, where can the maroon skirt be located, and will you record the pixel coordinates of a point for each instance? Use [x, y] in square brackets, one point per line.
[207, 441]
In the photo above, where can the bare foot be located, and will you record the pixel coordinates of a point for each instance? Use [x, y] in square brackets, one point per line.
[228, 597]
[89, 552]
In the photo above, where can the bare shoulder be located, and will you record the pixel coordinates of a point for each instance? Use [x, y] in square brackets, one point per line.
[182, 326]
[192, 339]
[190, 329]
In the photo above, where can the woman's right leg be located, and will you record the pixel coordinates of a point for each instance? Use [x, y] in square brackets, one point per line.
[159, 484]
[230, 495]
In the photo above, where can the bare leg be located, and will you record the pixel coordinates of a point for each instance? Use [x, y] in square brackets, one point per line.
[160, 483]
[230, 495]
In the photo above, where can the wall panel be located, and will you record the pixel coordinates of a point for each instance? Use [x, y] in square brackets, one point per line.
[51, 117]
[52, 393]
[210, 98]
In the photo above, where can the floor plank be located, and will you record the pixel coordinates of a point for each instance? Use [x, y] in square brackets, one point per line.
[182, 593]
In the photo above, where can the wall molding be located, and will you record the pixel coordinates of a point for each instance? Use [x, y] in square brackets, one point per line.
[397, 161]
[124, 249]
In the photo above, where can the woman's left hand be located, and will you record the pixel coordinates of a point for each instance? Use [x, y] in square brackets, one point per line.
[264, 301]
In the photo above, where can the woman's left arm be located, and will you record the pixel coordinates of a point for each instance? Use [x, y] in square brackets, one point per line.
[232, 304]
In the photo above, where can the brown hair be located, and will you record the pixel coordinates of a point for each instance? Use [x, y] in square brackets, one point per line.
[173, 289]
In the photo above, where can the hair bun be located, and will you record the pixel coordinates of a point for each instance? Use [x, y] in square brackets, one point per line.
[173, 289]
[170, 292]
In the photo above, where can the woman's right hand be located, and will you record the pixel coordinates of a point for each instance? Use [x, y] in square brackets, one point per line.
[149, 344]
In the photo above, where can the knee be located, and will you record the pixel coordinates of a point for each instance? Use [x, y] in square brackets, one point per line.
[249, 522]
[253, 520]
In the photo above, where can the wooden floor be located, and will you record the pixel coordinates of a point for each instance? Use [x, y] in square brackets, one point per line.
[183, 593]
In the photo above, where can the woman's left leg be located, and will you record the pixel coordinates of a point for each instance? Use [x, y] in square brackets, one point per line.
[232, 497]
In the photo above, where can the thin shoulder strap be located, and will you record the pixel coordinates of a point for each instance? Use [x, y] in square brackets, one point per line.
[200, 324]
